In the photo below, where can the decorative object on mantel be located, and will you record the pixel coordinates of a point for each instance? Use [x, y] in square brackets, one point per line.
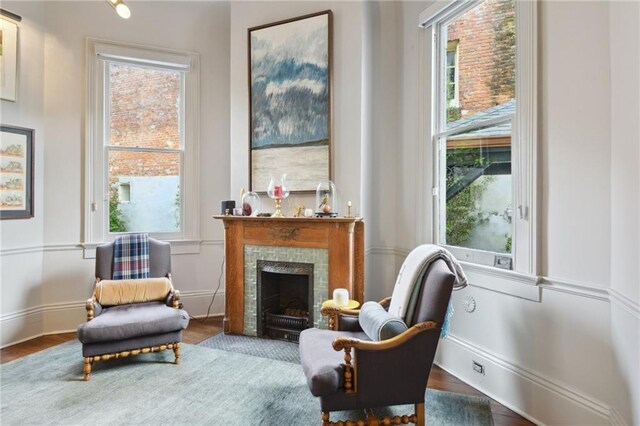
[250, 203]
[227, 206]
[349, 213]
[326, 199]
[290, 101]
[278, 191]
[299, 211]
[9, 57]
[16, 172]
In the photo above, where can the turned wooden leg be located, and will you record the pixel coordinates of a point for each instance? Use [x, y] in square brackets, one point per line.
[87, 369]
[420, 414]
[325, 418]
[176, 351]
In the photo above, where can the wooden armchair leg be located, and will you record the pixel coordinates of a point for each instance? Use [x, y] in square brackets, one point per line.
[176, 351]
[325, 418]
[420, 414]
[87, 369]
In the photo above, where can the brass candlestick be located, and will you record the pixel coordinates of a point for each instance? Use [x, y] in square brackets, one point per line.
[278, 212]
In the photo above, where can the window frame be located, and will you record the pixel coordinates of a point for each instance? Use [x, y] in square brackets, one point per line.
[99, 54]
[524, 140]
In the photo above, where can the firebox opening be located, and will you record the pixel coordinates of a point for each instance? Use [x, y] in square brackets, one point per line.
[285, 299]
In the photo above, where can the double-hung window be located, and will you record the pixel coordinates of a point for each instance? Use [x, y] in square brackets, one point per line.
[141, 142]
[481, 88]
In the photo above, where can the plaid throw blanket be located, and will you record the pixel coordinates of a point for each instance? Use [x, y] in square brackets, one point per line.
[131, 257]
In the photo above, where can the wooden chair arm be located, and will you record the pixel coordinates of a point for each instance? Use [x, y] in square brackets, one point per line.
[91, 308]
[176, 299]
[385, 302]
[334, 312]
[342, 343]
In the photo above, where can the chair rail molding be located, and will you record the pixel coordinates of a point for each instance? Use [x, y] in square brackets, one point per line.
[181, 246]
[625, 302]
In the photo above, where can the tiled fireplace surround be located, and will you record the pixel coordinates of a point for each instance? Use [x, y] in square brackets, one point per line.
[318, 257]
[335, 247]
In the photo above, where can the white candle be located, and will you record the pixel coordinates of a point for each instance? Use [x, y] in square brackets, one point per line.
[341, 296]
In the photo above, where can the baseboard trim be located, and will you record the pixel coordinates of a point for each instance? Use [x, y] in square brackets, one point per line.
[492, 396]
[55, 318]
[576, 398]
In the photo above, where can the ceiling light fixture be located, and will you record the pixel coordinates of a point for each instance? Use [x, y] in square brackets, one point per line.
[121, 8]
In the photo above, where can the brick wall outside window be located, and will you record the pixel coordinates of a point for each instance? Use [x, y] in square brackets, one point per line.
[486, 55]
[144, 112]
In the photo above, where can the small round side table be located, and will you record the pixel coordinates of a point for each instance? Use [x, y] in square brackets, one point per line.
[352, 304]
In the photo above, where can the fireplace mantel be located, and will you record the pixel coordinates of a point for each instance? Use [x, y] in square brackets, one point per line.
[343, 238]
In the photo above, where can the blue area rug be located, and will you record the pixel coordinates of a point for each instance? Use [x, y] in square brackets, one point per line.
[209, 387]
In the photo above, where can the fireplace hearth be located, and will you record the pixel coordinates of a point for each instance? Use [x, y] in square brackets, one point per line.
[284, 299]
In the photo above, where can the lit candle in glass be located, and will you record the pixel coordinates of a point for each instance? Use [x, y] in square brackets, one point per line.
[277, 191]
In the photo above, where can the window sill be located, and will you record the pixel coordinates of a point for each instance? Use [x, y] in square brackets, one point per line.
[177, 247]
[503, 281]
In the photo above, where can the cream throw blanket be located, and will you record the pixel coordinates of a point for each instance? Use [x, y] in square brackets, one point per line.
[413, 269]
[121, 292]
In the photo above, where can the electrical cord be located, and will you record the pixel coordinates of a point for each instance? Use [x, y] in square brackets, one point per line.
[214, 293]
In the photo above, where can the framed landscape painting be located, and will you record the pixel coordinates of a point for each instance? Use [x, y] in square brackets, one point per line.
[290, 102]
[16, 173]
[8, 59]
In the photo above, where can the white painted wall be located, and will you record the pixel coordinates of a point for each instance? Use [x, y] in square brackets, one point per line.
[346, 87]
[58, 70]
[550, 360]
[382, 49]
[624, 22]
[21, 264]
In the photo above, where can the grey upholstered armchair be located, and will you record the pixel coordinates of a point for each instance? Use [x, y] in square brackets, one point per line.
[348, 371]
[152, 322]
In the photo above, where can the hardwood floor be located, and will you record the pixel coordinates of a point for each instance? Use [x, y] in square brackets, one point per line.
[200, 330]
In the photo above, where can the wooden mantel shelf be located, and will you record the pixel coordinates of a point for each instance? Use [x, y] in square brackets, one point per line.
[342, 237]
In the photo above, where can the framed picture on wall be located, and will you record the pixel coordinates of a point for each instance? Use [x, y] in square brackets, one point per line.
[290, 101]
[8, 59]
[16, 172]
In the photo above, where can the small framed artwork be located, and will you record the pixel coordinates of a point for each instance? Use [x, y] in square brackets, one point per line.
[290, 102]
[16, 172]
[8, 59]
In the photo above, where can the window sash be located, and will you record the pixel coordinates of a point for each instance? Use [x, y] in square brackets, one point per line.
[105, 207]
[440, 135]
[482, 257]
[95, 213]
[525, 153]
[107, 106]
[110, 147]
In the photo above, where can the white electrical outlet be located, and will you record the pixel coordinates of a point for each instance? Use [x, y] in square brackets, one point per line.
[478, 368]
